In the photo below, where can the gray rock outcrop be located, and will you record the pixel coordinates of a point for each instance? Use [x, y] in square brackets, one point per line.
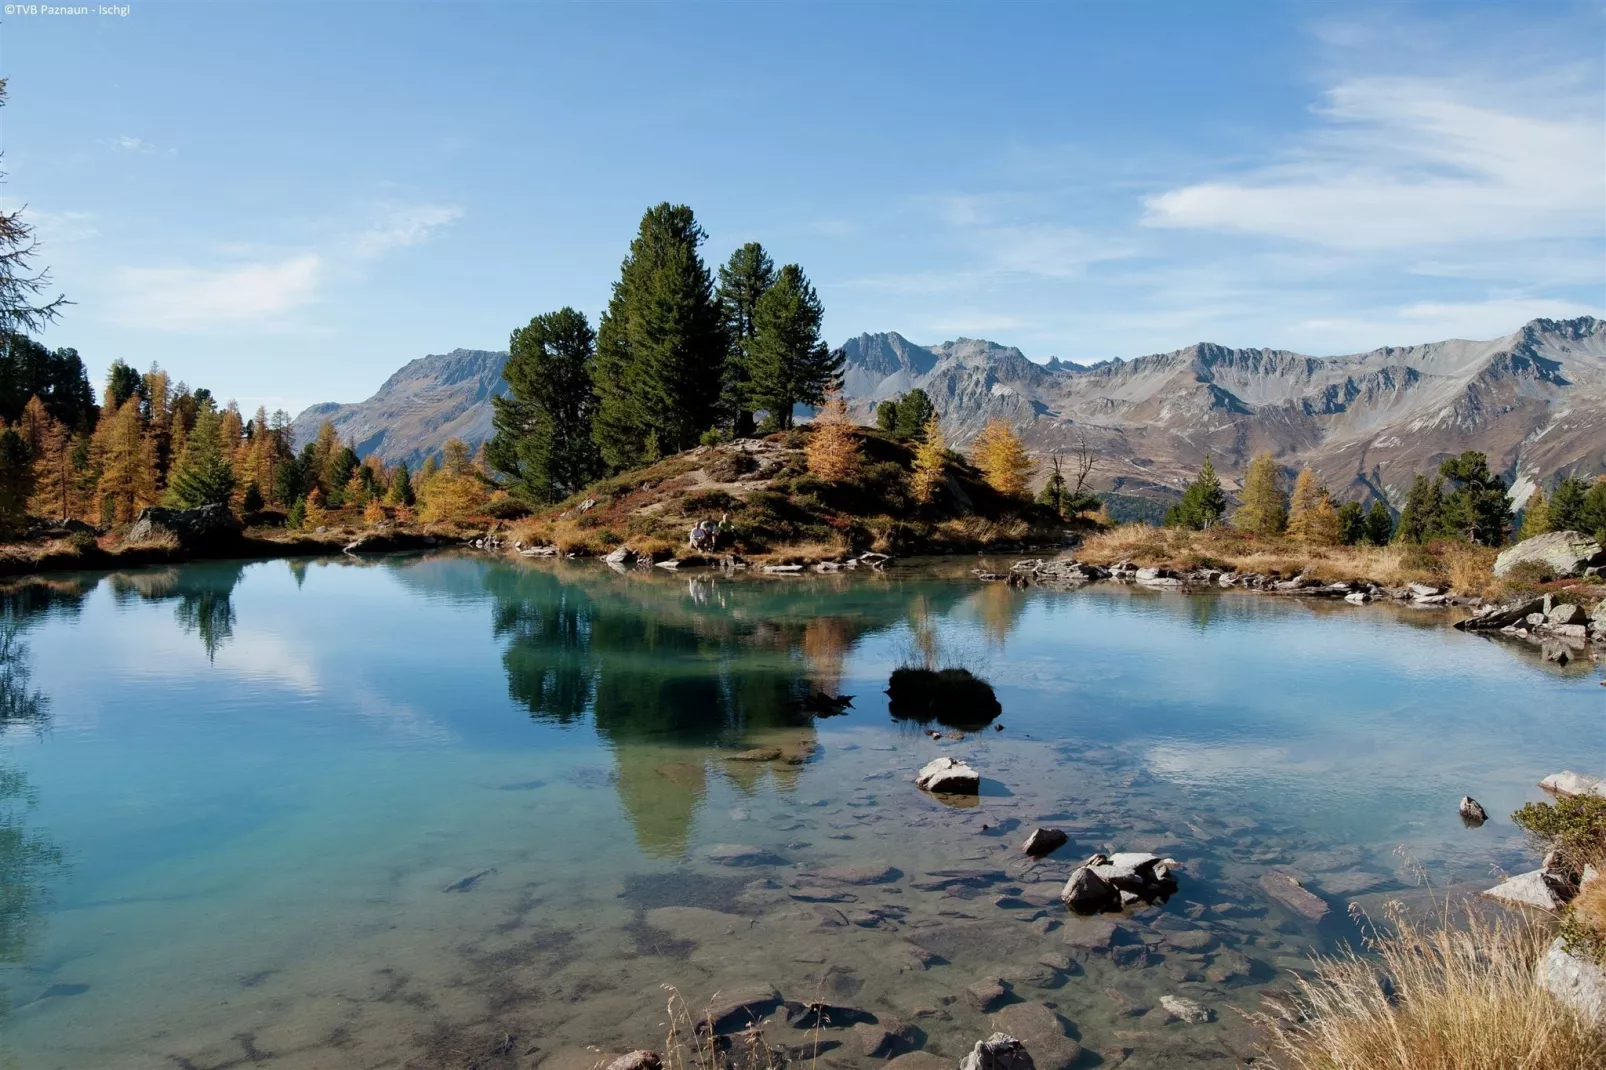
[949, 776]
[1561, 553]
[1576, 981]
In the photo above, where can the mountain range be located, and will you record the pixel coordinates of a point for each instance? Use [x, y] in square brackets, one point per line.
[1534, 401]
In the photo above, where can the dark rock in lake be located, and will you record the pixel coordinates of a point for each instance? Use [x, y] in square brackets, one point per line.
[950, 697]
[1472, 814]
[1044, 842]
[1088, 893]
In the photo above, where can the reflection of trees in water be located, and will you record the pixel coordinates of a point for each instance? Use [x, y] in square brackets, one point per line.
[677, 673]
[204, 592]
[999, 607]
[27, 858]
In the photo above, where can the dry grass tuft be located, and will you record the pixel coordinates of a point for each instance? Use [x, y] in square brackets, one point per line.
[1437, 996]
[1467, 569]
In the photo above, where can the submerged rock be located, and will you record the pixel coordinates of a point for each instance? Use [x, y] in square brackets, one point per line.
[987, 994]
[732, 1012]
[1042, 1032]
[1184, 1009]
[1473, 815]
[949, 776]
[998, 1052]
[1290, 893]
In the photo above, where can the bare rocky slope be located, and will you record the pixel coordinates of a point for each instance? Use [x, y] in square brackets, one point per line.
[1534, 401]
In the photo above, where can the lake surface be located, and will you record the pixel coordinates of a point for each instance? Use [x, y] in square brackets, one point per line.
[453, 811]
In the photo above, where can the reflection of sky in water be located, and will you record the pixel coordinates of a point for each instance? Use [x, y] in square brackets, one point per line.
[248, 753]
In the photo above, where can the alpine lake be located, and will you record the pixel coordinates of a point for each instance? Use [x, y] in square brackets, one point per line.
[459, 811]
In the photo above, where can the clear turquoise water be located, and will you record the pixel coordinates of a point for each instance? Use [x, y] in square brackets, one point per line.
[246, 804]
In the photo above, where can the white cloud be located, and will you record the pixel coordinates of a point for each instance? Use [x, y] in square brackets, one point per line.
[181, 298]
[1431, 321]
[257, 287]
[404, 225]
[134, 144]
[62, 226]
[1402, 162]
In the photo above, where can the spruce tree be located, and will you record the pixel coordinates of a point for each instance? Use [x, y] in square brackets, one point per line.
[790, 364]
[742, 281]
[660, 349]
[1422, 519]
[1594, 510]
[1535, 515]
[1566, 507]
[1265, 505]
[1379, 524]
[915, 411]
[401, 487]
[543, 440]
[886, 416]
[16, 481]
[201, 475]
[1203, 504]
[1351, 523]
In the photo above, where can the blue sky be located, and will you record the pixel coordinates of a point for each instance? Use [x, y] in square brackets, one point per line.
[286, 202]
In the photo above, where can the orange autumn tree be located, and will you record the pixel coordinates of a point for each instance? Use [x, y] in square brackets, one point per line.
[1002, 459]
[833, 448]
[930, 463]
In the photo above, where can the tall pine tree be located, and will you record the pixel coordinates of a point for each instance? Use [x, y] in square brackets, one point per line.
[1203, 504]
[790, 364]
[661, 344]
[742, 281]
[543, 440]
[1265, 505]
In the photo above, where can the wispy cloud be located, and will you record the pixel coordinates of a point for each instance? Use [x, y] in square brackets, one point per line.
[1403, 163]
[62, 226]
[259, 289]
[182, 298]
[135, 144]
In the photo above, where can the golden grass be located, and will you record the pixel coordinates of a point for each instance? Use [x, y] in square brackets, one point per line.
[1466, 569]
[805, 553]
[1459, 996]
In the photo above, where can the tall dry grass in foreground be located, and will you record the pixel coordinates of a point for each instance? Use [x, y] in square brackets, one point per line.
[1440, 995]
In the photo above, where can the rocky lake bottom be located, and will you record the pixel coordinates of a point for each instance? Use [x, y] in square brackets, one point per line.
[447, 811]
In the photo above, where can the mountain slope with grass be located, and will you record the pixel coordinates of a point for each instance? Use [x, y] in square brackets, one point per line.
[776, 511]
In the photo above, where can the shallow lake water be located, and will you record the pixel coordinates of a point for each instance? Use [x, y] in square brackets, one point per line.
[449, 811]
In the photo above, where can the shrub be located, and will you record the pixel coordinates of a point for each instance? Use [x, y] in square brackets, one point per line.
[709, 501]
[1574, 826]
[503, 506]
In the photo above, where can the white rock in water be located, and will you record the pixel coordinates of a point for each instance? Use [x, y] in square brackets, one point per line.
[1527, 889]
[1577, 982]
[1570, 783]
[949, 776]
[1185, 1009]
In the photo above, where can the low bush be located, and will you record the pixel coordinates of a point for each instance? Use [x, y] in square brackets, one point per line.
[1574, 826]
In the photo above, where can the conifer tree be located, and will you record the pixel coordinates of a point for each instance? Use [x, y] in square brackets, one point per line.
[1002, 459]
[833, 448]
[296, 518]
[313, 513]
[251, 500]
[886, 416]
[790, 365]
[1351, 523]
[1203, 503]
[742, 281]
[201, 474]
[1422, 520]
[16, 481]
[1566, 506]
[660, 345]
[914, 413]
[1311, 516]
[50, 456]
[1476, 509]
[929, 471]
[543, 440]
[1379, 524]
[320, 460]
[457, 490]
[122, 383]
[374, 513]
[400, 491]
[1265, 505]
[127, 464]
[355, 495]
[1535, 515]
